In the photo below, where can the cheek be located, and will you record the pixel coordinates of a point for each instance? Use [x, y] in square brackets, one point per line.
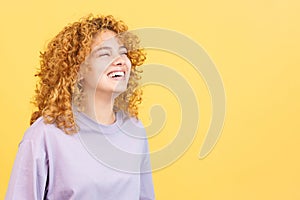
[98, 68]
[128, 64]
[94, 76]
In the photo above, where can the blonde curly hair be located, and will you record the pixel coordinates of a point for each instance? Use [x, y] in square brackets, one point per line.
[59, 70]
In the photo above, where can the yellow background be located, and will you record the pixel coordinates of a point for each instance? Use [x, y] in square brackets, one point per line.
[255, 46]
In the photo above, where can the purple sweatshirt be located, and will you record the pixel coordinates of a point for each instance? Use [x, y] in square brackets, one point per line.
[101, 162]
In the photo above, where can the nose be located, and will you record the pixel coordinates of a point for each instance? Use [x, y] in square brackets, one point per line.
[119, 61]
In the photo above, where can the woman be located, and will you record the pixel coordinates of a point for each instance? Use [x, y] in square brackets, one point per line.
[85, 141]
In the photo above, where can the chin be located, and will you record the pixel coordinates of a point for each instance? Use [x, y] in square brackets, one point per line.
[120, 89]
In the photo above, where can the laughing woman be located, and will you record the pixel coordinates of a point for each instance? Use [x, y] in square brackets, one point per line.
[85, 140]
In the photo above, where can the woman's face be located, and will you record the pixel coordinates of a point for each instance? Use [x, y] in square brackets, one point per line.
[108, 67]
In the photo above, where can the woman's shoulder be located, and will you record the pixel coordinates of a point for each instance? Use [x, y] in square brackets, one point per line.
[38, 130]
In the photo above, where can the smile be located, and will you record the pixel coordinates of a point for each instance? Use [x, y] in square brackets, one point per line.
[116, 74]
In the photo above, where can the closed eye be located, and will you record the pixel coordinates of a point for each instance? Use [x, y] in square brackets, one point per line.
[123, 53]
[104, 54]
[123, 50]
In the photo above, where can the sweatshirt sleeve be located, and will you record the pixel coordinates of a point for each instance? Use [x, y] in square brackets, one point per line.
[147, 190]
[29, 174]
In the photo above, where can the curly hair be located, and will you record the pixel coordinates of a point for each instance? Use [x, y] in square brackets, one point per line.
[60, 66]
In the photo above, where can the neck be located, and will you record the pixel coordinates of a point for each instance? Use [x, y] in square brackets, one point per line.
[99, 106]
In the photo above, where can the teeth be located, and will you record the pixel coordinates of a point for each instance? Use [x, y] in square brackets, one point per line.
[116, 74]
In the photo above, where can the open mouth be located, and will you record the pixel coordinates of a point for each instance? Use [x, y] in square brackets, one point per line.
[116, 74]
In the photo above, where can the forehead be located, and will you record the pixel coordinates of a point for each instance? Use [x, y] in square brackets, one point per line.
[105, 37]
